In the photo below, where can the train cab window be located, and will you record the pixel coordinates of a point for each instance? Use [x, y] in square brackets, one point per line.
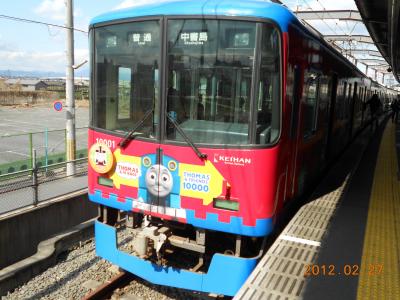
[311, 97]
[126, 81]
[210, 80]
[268, 111]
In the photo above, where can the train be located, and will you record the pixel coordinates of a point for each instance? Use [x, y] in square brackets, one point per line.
[206, 119]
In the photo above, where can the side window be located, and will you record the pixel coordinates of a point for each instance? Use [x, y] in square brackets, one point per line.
[124, 93]
[311, 104]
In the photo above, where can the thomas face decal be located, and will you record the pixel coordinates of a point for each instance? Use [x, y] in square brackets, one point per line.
[100, 158]
[159, 181]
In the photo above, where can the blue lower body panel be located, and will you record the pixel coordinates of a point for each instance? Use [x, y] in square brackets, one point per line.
[226, 274]
[262, 227]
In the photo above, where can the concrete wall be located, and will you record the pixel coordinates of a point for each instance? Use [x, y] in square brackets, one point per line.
[22, 98]
[20, 233]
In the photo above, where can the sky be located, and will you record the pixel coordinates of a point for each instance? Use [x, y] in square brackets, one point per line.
[31, 47]
[329, 26]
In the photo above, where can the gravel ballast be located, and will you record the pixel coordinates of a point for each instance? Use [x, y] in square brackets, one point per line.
[79, 271]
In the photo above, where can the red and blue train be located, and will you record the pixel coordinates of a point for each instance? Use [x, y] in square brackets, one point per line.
[207, 117]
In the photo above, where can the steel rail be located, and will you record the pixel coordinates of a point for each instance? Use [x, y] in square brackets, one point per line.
[106, 289]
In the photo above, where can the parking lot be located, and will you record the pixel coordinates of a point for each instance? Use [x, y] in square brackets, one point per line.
[17, 123]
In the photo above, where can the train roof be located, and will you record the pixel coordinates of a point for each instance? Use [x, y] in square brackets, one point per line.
[237, 8]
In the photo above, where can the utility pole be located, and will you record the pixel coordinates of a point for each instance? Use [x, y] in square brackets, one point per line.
[69, 91]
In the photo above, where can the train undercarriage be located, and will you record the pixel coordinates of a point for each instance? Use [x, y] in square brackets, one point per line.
[175, 244]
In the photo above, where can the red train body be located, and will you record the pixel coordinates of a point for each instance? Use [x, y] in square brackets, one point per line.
[242, 121]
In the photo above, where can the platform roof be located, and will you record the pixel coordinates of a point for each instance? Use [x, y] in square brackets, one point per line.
[342, 25]
[381, 17]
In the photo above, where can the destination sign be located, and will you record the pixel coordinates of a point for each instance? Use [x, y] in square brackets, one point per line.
[140, 38]
[193, 38]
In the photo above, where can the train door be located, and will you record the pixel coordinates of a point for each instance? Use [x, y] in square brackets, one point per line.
[309, 140]
[294, 127]
[352, 104]
[331, 115]
[138, 91]
[363, 106]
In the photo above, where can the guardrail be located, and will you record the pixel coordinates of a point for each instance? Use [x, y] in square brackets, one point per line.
[16, 151]
[41, 173]
[38, 184]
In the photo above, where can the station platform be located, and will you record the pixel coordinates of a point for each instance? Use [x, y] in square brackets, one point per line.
[344, 243]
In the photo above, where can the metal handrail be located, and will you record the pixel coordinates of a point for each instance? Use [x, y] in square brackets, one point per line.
[36, 132]
[42, 167]
[62, 163]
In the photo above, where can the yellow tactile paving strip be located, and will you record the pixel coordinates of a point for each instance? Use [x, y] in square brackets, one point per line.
[380, 265]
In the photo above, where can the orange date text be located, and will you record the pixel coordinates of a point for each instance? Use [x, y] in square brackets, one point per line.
[344, 270]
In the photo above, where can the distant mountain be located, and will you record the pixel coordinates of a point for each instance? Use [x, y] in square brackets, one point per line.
[40, 74]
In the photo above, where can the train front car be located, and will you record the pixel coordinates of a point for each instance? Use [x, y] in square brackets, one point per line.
[185, 138]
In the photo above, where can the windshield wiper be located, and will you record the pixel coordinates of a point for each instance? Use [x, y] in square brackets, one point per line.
[186, 138]
[133, 134]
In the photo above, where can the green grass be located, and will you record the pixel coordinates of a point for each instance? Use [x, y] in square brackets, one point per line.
[22, 165]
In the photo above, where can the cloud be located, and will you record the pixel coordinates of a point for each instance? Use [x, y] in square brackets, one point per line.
[126, 3]
[39, 61]
[320, 5]
[131, 3]
[329, 26]
[6, 45]
[54, 9]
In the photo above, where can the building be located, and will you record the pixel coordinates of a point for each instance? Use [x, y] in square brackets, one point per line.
[26, 84]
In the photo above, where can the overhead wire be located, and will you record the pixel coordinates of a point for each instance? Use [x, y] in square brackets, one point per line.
[349, 46]
[40, 22]
[336, 23]
[322, 19]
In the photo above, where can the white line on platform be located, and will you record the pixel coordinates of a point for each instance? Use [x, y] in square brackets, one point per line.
[299, 240]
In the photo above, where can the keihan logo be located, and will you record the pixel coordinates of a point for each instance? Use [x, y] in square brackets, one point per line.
[232, 160]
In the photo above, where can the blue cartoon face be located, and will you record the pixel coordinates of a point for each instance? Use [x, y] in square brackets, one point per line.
[159, 181]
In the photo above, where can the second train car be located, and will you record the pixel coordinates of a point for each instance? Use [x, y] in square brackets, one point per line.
[206, 118]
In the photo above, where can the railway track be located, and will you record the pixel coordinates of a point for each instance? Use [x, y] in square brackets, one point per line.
[107, 289]
[118, 287]
[80, 274]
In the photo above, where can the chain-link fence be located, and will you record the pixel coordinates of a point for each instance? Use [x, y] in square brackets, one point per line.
[16, 150]
[33, 168]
